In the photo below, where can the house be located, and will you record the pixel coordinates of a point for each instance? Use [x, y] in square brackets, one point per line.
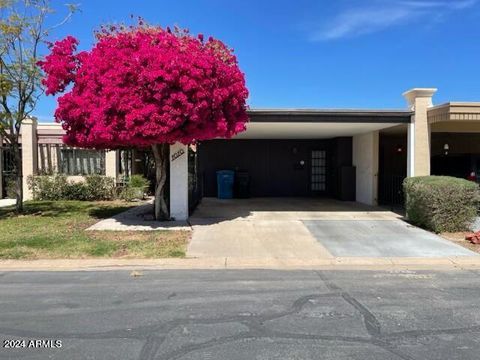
[360, 155]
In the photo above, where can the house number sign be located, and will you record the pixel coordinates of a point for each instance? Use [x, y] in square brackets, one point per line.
[177, 154]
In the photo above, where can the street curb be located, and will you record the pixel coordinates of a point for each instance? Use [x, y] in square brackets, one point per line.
[338, 263]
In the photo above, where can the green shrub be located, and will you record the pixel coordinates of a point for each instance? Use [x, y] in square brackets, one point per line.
[99, 187]
[48, 187]
[57, 187]
[138, 181]
[135, 188]
[130, 194]
[75, 191]
[441, 203]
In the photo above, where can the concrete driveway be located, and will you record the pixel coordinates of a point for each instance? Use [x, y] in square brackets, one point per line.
[306, 229]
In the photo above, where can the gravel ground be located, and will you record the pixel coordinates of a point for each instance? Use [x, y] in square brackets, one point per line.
[459, 239]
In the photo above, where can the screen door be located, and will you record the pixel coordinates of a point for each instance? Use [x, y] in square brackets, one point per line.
[318, 179]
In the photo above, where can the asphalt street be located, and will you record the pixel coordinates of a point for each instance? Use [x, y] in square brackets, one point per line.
[255, 314]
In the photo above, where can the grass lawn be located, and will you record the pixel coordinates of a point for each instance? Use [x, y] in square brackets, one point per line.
[56, 229]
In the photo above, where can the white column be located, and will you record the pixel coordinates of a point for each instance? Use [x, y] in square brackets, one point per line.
[29, 153]
[179, 181]
[365, 160]
[411, 148]
[111, 164]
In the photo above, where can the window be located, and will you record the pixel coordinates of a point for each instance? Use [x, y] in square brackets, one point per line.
[125, 163]
[8, 159]
[81, 162]
[61, 159]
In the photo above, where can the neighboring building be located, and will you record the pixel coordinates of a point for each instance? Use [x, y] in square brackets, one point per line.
[360, 155]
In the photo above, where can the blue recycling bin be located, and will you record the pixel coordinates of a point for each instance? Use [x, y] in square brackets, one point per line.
[225, 184]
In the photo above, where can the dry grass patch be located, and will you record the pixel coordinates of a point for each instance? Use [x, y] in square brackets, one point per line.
[145, 244]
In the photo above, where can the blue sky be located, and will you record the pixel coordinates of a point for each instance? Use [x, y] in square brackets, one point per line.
[319, 54]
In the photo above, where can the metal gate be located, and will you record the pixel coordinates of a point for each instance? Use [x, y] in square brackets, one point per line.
[194, 181]
[391, 191]
[7, 165]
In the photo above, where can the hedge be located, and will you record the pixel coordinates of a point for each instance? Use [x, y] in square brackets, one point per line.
[441, 203]
[57, 187]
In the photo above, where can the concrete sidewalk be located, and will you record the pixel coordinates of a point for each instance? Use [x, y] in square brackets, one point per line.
[139, 218]
[6, 202]
[336, 263]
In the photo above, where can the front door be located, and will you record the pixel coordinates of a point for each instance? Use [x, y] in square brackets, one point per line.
[318, 171]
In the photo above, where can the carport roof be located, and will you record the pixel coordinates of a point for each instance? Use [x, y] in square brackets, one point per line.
[330, 115]
[319, 123]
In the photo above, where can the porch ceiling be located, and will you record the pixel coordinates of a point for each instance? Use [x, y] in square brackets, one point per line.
[308, 130]
[454, 111]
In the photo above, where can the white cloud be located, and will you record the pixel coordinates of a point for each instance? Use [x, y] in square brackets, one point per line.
[378, 16]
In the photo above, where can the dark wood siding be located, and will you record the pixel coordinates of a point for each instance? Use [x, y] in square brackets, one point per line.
[274, 166]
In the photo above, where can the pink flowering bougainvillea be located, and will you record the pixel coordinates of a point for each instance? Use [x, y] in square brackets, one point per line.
[143, 86]
[146, 86]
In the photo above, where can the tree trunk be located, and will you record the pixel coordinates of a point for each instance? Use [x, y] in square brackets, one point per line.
[19, 178]
[160, 154]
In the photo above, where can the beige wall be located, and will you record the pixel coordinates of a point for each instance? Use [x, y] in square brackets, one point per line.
[419, 101]
[365, 159]
[32, 134]
[422, 137]
[29, 153]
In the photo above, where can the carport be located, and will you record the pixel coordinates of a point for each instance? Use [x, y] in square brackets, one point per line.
[303, 153]
[359, 155]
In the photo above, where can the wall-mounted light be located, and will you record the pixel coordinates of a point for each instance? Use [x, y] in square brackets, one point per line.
[302, 162]
[446, 148]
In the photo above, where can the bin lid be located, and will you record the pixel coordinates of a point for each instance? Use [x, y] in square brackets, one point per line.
[225, 172]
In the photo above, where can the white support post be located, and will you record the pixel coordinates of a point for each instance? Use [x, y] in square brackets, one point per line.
[178, 181]
[411, 148]
[111, 165]
[365, 149]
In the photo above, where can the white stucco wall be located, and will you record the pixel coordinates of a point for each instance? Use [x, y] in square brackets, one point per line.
[365, 159]
[178, 181]
[111, 164]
